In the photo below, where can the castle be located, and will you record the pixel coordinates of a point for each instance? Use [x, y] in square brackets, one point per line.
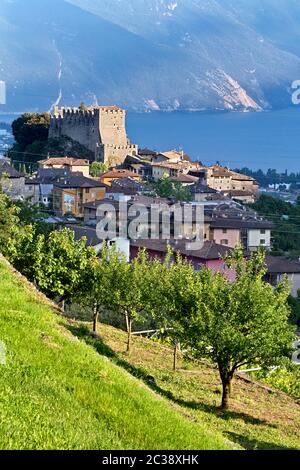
[101, 129]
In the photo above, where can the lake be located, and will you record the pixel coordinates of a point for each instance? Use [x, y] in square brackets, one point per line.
[257, 140]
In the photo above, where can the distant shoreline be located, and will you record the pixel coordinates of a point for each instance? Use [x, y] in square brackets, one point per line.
[10, 116]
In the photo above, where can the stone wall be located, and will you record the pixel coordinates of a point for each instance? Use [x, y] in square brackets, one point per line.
[102, 130]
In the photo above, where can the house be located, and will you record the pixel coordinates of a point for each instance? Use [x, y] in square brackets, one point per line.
[185, 180]
[223, 179]
[279, 267]
[251, 233]
[247, 197]
[175, 156]
[12, 182]
[71, 193]
[200, 192]
[210, 255]
[151, 156]
[108, 177]
[32, 190]
[73, 165]
[138, 165]
[93, 241]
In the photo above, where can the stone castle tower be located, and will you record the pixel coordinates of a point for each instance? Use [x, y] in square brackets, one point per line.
[101, 129]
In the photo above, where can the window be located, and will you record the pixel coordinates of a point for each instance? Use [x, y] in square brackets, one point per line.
[262, 232]
[87, 191]
[224, 242]
[224, 230]
[262, 242]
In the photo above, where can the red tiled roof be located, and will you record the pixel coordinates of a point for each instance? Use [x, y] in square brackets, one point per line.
[119, 174]
[64, 161]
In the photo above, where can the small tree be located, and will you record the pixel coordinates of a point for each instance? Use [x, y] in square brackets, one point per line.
[240, 323]
[165, 187]
[9, 223]
[130, 288]
[97, 168]
[59, 271]
[31, 127]
[96, 288]
[173, 288]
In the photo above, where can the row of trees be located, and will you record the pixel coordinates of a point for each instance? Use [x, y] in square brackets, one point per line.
[231, 324]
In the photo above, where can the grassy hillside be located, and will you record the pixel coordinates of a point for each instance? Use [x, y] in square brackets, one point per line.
[57, 392]
[259, 418]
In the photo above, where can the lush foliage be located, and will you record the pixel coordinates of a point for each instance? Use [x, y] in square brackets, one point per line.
[97, 168]
[31, 127]
[286, 218]
[257, 420]
[241, 323]
[167, 188]
[58, 393]
[271, 176]
[285, 379]
[233, 324]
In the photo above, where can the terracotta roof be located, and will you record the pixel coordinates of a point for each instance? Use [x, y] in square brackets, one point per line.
[238, 192]
[64, 161]
[119, 174]
[175, 154]
[185, 179]
[240, 177]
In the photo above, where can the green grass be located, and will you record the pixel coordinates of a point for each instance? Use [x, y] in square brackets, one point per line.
[259, 419]
[57, 392]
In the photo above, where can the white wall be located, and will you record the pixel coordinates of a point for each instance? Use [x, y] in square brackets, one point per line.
[255, 237]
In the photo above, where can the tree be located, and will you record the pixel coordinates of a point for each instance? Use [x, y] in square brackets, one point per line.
[9, 224]
[31, 214]
[97, 168]
[63, 259]
[82, 106]
[31, 127]
[98, 275]
[167, 188]
[129, 284]
[172, 288]
[244, 323]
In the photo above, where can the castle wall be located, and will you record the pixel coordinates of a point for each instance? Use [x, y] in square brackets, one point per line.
[100, 129]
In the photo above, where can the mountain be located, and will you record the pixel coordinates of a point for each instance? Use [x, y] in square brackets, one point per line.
[150, 54]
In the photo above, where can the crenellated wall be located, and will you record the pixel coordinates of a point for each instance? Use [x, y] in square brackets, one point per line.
[101, 129]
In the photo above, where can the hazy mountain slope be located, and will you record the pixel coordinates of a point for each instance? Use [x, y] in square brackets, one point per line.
[157, 54]
[252, 41]
[60, 50]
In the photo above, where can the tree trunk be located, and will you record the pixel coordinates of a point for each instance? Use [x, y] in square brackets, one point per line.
[95, 319]
[63, 305]
[129, 328]
[175, 355]
[227, 391]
